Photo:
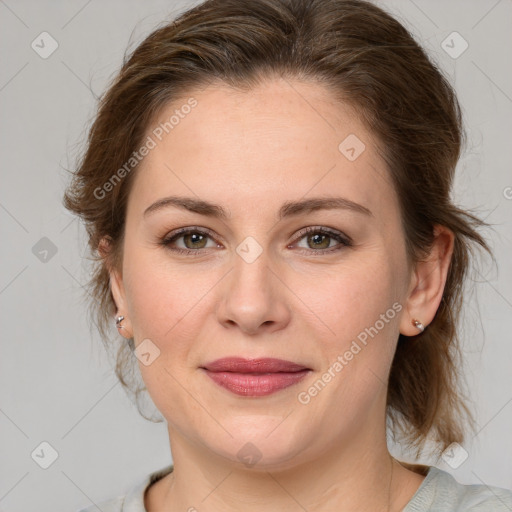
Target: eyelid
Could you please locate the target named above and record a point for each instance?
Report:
(191, 229)
(324, 230)
(344, 240)
(177, 233)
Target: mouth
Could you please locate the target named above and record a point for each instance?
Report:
(254, 377)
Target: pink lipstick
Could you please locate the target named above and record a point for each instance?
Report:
(254, 377)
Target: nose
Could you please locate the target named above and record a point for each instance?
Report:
(254, 298)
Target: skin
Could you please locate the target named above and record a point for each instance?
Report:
(250, 152)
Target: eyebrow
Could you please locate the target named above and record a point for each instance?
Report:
(288, 209)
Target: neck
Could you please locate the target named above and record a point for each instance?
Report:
(360, 476)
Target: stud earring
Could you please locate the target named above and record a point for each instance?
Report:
(119, 319)
(418, 325)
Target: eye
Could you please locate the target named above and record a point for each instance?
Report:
(193, 239)
(319, 240)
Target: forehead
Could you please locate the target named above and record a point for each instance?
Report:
(282, 139)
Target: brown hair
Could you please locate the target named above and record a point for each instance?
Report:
(363, 56)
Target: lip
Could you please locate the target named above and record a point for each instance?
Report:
(254, 377)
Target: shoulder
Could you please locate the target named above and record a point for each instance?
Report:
(133, 500)
(441, 492)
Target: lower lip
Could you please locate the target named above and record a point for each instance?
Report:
(247, 384)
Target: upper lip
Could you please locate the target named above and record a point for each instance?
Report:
(263, 365)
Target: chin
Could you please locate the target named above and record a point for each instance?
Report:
(261, 442)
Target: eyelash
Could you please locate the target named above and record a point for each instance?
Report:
(344, 241)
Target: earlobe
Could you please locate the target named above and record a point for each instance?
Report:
(122, 321)
(429, 280)
(117, 289)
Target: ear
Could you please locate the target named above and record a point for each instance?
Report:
(116, 288)
(427, 282)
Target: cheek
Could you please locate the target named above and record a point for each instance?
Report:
(160, 302)
(362, 310)
(160, 295)
(352, 296)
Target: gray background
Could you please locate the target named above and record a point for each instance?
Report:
(56, 383)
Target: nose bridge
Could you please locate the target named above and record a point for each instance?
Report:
(252, 273)
(251, 295)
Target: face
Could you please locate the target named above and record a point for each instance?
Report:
(306, 265)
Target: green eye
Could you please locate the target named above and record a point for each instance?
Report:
(318, 240)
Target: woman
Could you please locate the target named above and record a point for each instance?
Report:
(267, 186)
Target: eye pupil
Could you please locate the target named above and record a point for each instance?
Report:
(195, 238)
(319, 239)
